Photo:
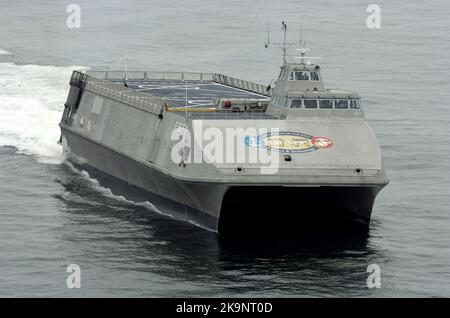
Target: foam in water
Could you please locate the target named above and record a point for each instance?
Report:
(4, 52)
(108, 193)
(31, 105)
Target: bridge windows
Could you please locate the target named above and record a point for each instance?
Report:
(355, 104)
(326, 103)
(304, 76)
(314, 103)
(299, 76)
(310, 103)
(315, 76)
(296, 103)
(321, 103)
(341, 103)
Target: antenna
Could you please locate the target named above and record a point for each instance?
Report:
(186, 97)
(284, 27)
(186, 92)
(338, 71)
(301, 36)
(126, 63)
(283, 45)
(122, 62)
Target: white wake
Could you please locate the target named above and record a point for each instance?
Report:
(31, 103)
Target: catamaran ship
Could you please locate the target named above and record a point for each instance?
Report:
(144, 133)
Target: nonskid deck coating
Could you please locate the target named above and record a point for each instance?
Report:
(197, 93)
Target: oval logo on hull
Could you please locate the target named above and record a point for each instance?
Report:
(289, 142)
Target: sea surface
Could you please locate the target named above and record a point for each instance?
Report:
(53, 215)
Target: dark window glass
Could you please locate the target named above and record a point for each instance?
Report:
(314, 76)
(325, 103)
(310, 103)
(355, 104)
(296, 103)
(341, 104)
(302, 76)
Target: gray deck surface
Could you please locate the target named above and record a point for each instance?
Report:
(199, 94)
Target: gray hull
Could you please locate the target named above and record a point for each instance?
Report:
(141, 182)
(231, 209)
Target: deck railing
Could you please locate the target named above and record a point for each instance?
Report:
(182, 76)
(241, 84)
(119, 93)
(100, 82)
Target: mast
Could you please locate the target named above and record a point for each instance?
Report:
(126, 68)
(284, 46)
(301, 43)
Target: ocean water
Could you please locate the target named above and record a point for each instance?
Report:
(52, 215)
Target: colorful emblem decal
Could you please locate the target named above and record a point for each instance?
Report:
(289, 142)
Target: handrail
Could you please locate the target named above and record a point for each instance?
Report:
(151, 75)
(241, 84)
(121, 94)
(100, 83)
(182, 76)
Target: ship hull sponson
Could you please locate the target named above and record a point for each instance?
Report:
(230, 209)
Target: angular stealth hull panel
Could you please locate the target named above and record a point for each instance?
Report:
(141, 182)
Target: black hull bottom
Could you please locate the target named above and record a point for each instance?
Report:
(296, 211)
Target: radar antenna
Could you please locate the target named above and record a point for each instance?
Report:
(304, 59)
